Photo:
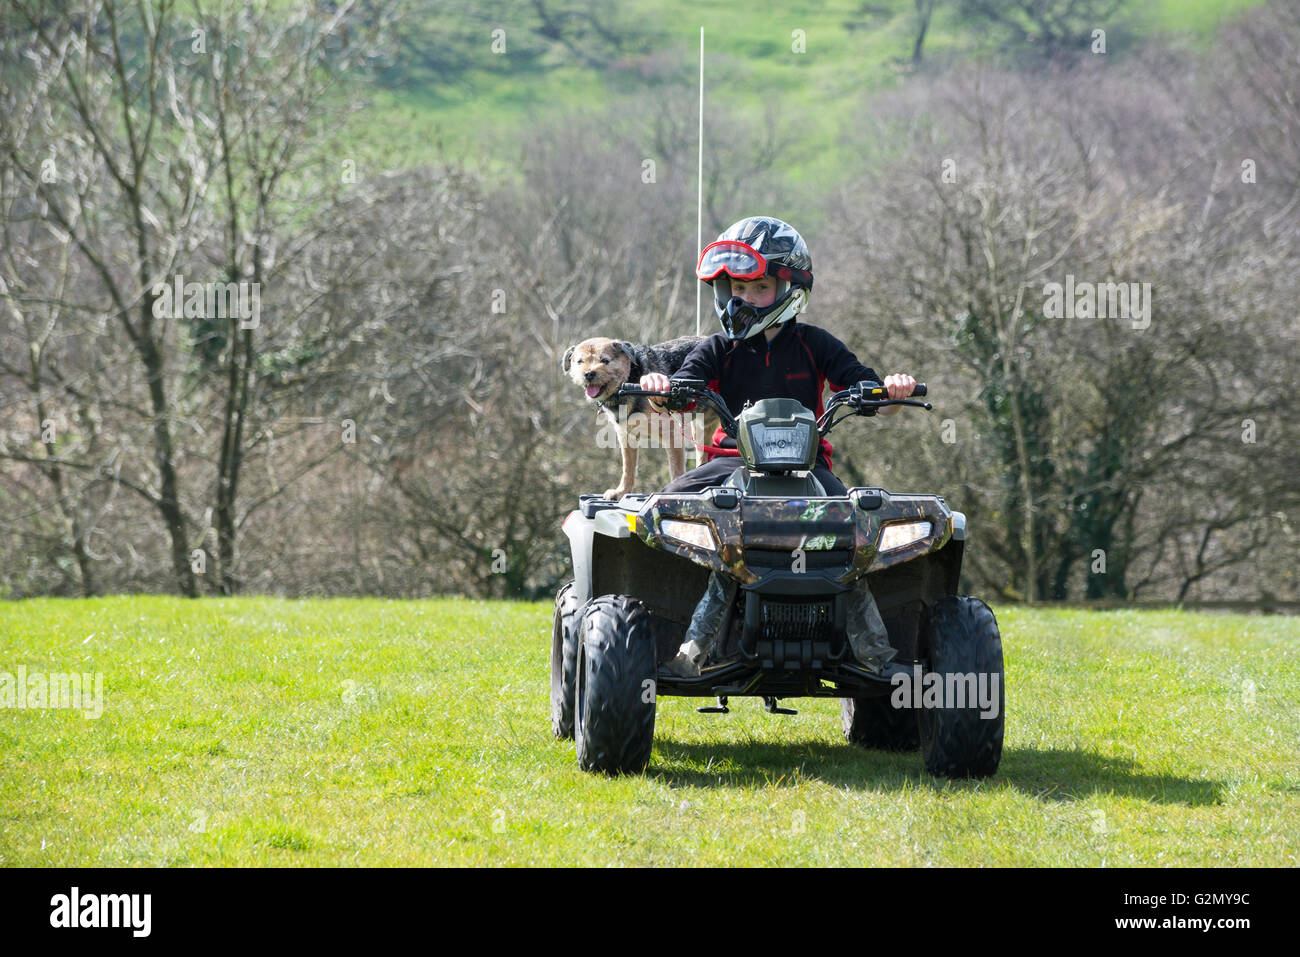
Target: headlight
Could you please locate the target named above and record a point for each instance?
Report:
(692, 533)
(777, 435)
(902, 533)
(785, 445)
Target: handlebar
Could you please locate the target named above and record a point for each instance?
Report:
(864, 398)
(680, 394)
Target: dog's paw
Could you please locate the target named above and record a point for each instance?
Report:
(614, 494)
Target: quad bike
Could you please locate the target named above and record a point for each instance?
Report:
(642, 564)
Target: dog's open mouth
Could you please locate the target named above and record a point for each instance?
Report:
(594, 390)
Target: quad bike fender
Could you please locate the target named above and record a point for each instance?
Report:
(581, 532)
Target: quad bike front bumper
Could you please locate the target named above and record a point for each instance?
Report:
(760, 541)
(796, 562)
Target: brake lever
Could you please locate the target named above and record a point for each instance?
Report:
(874, 404)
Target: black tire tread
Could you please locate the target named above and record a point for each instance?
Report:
(615, 732)
(961, 635)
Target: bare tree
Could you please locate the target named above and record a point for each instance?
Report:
(271, 75)
(108, 74)
(1085, 424)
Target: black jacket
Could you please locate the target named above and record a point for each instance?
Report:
(799, 362)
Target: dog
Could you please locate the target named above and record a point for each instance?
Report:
(600, 366)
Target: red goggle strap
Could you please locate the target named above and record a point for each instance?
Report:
(797, 277)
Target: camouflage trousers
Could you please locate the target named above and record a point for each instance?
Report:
(867, 635)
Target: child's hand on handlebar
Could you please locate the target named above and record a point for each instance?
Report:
(655, 382)
(899, 386)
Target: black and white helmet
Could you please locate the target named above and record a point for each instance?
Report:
(748, 250)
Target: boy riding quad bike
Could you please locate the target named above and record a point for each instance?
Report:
(757, 563)
(788, 556)
(760, 273)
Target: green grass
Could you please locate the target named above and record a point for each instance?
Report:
(1200, 17)
(365, 732)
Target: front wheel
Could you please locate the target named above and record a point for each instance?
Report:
(961, 642)
(614, 704)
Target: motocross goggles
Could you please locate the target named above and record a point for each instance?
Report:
(743, 262)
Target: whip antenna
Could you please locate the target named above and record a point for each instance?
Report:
(699, 203)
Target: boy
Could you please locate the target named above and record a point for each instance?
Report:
(761, 273)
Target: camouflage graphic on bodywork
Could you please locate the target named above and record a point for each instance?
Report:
(771, 525)
(725, 522)
(899, 508)
(814, 512)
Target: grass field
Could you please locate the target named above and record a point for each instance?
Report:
(365, 732)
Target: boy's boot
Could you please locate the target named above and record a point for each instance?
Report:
(867, 635)
(703, 630)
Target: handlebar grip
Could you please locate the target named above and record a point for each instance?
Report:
(875, 391)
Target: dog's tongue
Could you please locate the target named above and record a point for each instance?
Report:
(593, 391)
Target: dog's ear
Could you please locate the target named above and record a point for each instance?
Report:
(568, 355)
(625, 347)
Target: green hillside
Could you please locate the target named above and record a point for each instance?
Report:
(449, 89)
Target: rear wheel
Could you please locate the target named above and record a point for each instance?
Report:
(614, 704)
(960, 638)
(564, 661)
(873, 722)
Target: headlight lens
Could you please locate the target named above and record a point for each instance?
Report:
(692, 533)
(900, 534)
(780, 445)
